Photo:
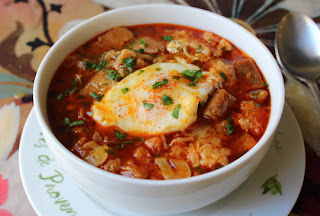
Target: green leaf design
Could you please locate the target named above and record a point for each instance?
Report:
(273, 185)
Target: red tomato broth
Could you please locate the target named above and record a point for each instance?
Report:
(70, 105)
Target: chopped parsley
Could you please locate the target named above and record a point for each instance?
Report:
(110, 151)
(224, 76)
(230, 126)
(198, 49)
(192, 84)
(124, 90)
(156, 155)
(167, 38)
(75, 123)
(159, 84)
(255, 94)
(95, 96)
(158, 69)
(175, 113)
(103, 55)
(194, 76)
(74, 81)
(266, 84)
(166, 100)
(257, 105)
(272, 185)
(147, 105)
(223, 49)
(101, 65)
(89, 65)
(142, 42)
(140, 72)
(113, 75)
(119, 135)
(139, 50)
(176, 77)
(66, 121)
(59, 96)
(230, 129)
(129, 62)
(68, 91)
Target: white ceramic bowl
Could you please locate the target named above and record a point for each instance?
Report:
(159, 196)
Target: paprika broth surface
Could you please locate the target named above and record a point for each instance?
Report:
(158, 101)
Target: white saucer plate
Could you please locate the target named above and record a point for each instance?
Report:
(52, 192)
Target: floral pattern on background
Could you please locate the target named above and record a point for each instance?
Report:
(30, 27)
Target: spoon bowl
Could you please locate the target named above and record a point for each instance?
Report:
(298, 49)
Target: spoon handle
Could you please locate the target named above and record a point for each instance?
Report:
(315, 91)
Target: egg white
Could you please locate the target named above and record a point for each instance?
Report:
(126, 110)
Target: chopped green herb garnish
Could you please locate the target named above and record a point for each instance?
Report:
(257, 105)
(272, 185)
(139, 50)
(230, 129)
(194, 76)
(159, 84)
(59, 96)
(138, 139)
(74, 81)
(201, 171)
(79, 122)
(129, 62)
(110, 151)
(188, 74)
(119, 135)
(230, 120)
(140, 72)
(266, 84)
(198, 49)
(124, 90)
(113, 75)
(103, 55)
(197, 168)
(175, 113)
(147, 105)
(128, 142)
(158, 69)
(255, 94)
(224, 76)
(101, 65)
(131, 44)
(96, 96)
(156, 155)
(68, 91)
(167, 38)
(176, 77)
(142, 42)
(66, 121)
(223, 48)
(89, 65)
(166, 100)
(192, 84)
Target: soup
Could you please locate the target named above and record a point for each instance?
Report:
(158, 101)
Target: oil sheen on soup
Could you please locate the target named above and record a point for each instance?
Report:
(158, 101)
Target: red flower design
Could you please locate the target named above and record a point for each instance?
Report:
(5, 213)
(4, 188)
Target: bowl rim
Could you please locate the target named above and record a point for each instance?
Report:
(229, 168)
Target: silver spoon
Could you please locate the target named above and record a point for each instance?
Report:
(298, 49)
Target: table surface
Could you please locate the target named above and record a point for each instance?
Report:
(30, 27)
